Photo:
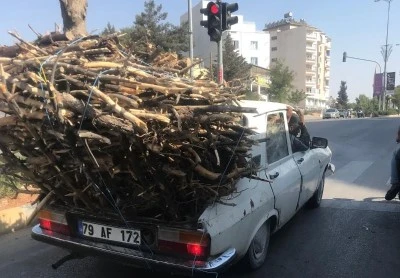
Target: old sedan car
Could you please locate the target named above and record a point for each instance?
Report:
(232, 229)
(331, 113)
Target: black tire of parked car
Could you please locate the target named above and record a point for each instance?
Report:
(258, 249)
(316, 199)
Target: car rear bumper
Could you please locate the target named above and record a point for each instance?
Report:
(132, 256)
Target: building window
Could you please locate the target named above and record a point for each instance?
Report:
(274, 59)
(236, 44)
(254, 61)
(308, 90)
(326, 83)
(274, 48)
(328, 53)
(274, 38)
(253, 45)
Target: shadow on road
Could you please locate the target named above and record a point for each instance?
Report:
(343, 238)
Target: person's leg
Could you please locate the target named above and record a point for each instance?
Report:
(394, 175)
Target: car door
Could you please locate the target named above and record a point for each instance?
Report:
(309, 167)
(281, 168)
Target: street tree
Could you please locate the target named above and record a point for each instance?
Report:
(110, 29)
(396, 98)
(235, 66)
(366, 104)
(150, 31)
(281, 78)
(296, 97)
(73, 13)
(342, 98)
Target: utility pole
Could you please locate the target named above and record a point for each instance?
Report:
(190, 35)
(385, 56)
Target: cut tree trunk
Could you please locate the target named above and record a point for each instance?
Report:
(74, 17)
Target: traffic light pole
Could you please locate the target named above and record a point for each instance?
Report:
(220, 59)
(220, 64)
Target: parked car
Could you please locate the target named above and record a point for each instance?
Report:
(342, 113)
(237, 227)
(331, 113)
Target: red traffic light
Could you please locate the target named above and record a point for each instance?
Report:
(214, 9)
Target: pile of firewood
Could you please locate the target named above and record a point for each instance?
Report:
(98, 127)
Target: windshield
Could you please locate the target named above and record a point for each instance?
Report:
(331, 110)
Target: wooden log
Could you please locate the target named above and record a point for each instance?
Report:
(138, 124)
(93, 136)
(149, 116)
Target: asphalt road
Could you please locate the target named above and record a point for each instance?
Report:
(355, 233)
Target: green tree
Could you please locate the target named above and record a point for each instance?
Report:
(110, 29)
(281, 78)
(235, 66)
(342, 98)
(296, 97)
(150, 31)
(396, 98)
(366, 104)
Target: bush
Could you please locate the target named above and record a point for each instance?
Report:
(375, 114)
(392, 111)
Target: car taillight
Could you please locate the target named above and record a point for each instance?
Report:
(53, 221)
(182, 242)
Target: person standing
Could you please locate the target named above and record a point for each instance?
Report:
(394, 171)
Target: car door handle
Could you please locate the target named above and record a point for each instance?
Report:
(274, 176)
(299, 161)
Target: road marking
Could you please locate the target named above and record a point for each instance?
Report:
(379, 204)
(351, 171)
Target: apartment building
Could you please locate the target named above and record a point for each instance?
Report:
(253, 45)
(306, 51)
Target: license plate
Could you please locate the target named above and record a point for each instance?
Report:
(115, 234)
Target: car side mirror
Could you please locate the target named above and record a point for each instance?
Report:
(319, 142)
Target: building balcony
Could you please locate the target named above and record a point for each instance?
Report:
(310, 83)
(311, 49)
(311, 60)
(311, 37)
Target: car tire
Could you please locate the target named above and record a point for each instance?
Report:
(316, 199)
(258, 249)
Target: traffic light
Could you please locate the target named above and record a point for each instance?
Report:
(213, 23)
(344, 56)
(227, 19)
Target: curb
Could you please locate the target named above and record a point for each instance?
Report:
(15, 218)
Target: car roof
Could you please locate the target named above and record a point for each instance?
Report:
(257, 121)
(263, 106)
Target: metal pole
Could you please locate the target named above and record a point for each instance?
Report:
(220, 64)
(220, 59)
(190, 35)
(386, 56)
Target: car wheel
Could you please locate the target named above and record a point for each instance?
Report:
(316, 199)
(257, 252)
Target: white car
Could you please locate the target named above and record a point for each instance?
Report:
(235, 228)
(331, 113)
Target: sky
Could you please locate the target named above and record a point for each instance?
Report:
(355, 26)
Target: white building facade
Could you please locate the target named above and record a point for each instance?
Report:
(306, 51)
(253, 45)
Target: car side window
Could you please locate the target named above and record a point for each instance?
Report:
(277, 147)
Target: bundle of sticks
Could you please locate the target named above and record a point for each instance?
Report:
(102, 129)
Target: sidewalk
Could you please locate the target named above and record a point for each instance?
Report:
(15, 218)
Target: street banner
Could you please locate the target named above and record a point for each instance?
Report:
(378, 84)
(390, 84)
